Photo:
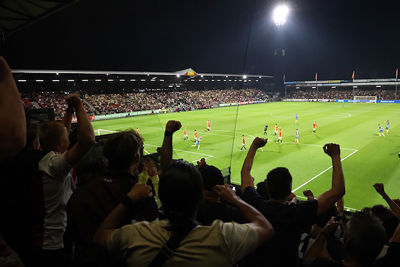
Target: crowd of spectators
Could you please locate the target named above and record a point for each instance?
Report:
(101, 104)
(134, 212)
(323, 93)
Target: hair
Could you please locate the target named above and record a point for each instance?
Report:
(279, 183)
(262, 189)
(212, 176)
(50, 134)
(180, 191)
(365, 238)
(121, 149)
(389, 220)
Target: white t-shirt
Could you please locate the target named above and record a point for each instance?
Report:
(59, 182)
(221, 244)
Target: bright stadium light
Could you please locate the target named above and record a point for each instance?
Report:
(178, 75)
(280, 14)
(244, 76)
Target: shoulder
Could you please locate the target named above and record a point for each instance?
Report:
(55, 164)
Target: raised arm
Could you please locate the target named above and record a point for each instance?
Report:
(246, 178)
(118, 216)
(85, 131)
(393, 206)
(166, 149)
(257, 220)
(67, 119)
(12, 114)
(318, 248)
(337, 191)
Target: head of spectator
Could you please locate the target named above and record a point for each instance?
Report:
(123, 151)
(279, 183)
(389, 220)
(212, 176)
(262, 189)
(364, 238)
(53, 136)
(180, 191)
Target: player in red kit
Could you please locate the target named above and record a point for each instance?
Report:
(280, 136)
(243, 144)
(195, 135)
(185, 135)
(314, 127)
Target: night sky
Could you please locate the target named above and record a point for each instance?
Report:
(331, 37)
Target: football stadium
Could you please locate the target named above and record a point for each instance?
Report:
(133, 140)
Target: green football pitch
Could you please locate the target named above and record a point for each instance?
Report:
(367, 158)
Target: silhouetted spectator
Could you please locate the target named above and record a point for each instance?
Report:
(12, 114)
(213, 207)
(290, 220)
(12, 140)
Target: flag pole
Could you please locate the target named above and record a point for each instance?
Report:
(284, 85)
(352, 76)
(316, 85)
(397, 75)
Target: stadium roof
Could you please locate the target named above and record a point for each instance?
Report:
(187, 79)
(344, 83)
(18, 14)
(186, 72)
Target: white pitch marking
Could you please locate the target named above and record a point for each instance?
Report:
(352, 149)
(203, 154)
(316, 176)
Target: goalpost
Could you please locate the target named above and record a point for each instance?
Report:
(365, 99)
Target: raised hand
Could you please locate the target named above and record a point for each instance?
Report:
(330, 226)
(140, 191)
(309, 194)
(259, 142)
(379, 188)
(202, 162)
(173, 126)
(73, 100)
(332, 149)
(226, 192)
(150, 167)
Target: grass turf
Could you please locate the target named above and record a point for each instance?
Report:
(368, 158)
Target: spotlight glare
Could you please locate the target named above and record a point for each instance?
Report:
(280, 14)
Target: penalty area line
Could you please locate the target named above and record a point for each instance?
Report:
(319, 174)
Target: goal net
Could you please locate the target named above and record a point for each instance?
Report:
(365, 99)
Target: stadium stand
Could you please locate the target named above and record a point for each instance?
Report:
(326, 93)
(101, 104)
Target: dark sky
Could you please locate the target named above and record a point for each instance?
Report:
(331, 37)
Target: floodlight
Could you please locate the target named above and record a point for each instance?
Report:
(280, 14)
(178, 75)
(244, 76)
